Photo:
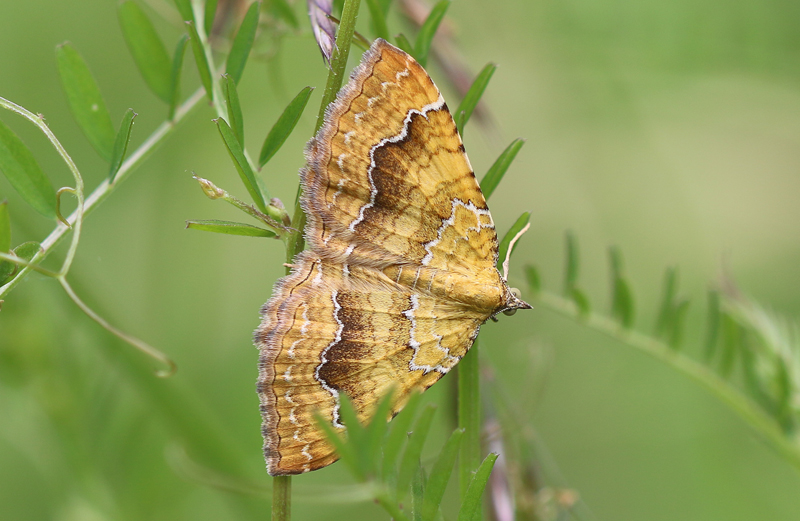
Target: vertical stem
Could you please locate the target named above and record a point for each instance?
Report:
(282, 485)
(281, 498)
(469, 418)
(341, 51)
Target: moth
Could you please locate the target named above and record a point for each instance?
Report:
(400, 272)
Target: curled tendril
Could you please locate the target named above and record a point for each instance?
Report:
(58, 204)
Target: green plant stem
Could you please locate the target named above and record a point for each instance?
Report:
(469, 418)
(296, 243)
(281, 498)
(341, 51)
(764, 426)
(105, 188)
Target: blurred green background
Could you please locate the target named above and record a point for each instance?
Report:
(671, 129)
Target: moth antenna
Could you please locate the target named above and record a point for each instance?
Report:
(511, 248)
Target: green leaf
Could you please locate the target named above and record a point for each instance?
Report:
(241, 163)
(200, 59)
(5, 228)
(242, 43)
(7, 271)
(732, 341)
(147, 49)
(410, 459)
(666, 315)
(175, 76)
(396, 436)
(229, 227)
(343, 449)
(498, 169)
(185, 10)
(426, 33)
(85, 101)
(440, 475)
(356, 434)
(121, 143)
(571, 269)
(518, 225)
(27, 250)
(24, 173)
(622, 298)
(580, 300)
(234, 109)
(473, 96)
(6, 268)
(283, 127)
(377, 428)
(209, 12)
(532, 276)
(378, 19)
(24, 251)
(678, 321)
(418, 486)
(281, 9)
(622, 307)
(403, 43)
(472, 499)
(783, 385)
(712, 334)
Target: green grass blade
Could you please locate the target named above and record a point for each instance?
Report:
(666, 315)
(440, 475)
(502, 250)
(85, 100)
(147, 49)
(234, 108)
(533, 278)
(175, 75)
(498, 169)
(209, 13)
(403, 43)
(282, 128)
(472, 500)
(24, 173)
(396, 437)
(121, 143)
(473, 96)
(410, 459)
(712, 331)
(573, 260)
(242, 166)
(5, 228)
(229, 228)
(378, 16)
(200, 59)
(185, 10)
(422, 45)
(242, 43)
